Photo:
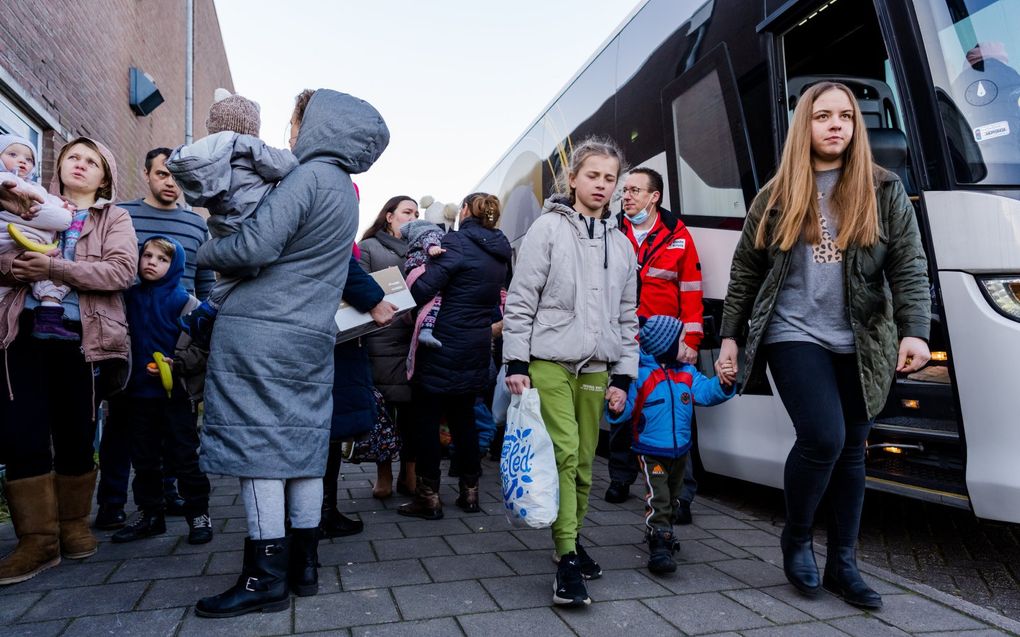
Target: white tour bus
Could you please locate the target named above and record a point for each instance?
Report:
(703, 92)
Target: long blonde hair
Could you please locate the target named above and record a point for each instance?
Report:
(793, 190)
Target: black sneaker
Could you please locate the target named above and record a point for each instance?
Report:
(590, 569)
(144, 524)
(682, 512)
(617, 493)
(201, 531)
(110, 517)
(569, 589)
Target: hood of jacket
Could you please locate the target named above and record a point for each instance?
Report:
(105, 195)
(343, 129)
(492, 242)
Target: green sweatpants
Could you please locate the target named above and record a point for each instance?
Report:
(664, 478)
(571, 408)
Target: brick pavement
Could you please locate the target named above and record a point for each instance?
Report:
(473, 575)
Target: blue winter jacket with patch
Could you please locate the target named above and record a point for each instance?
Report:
(660, 406)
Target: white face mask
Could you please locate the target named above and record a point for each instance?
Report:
(640, 217)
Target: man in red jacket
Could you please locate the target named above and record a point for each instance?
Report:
(669, 283)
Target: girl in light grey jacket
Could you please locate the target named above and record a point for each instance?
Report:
(570, 331)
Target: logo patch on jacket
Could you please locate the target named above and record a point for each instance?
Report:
(657, 470)
(685, 398)
(678, 244)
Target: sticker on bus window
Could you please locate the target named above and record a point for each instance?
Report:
(991, 131)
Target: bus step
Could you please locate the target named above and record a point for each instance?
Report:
(923, 428)
(924, 474)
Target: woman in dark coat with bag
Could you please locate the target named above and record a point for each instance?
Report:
(469, 275)
(353, 396)
(383, 247)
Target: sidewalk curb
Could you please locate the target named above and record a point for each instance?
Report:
(979, 613)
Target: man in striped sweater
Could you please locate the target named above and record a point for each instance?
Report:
(158, 213)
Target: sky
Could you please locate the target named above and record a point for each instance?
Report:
(457, 81)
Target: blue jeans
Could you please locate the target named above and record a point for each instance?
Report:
(822, 393)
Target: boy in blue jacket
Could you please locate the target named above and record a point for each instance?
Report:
(659, 409)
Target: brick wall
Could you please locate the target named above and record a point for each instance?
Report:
(72, 58)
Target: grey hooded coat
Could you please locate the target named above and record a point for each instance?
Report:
(270, 372)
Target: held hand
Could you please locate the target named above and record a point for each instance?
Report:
(687, 354)
(152, 370)
(517, 383)
(617, 400)
(31, 266)
(497, 329)
(435, 251)
(726, 365)
(383, 312)
(16, 199)
(913, 355)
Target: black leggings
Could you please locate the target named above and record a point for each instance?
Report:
(460, 417)
(55, 402)
(822, 393)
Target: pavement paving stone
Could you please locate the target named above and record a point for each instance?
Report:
(329, 580)
(485, 542)
(529, 591)
(985, 632)
(752, 537)
(235, 525)
(184, 591)
(71, 602)
(719, 522)
(698, 578)
(619, 556)
(813, 629)
(441, 627)
(149, 547)
(535, 538)
(533, 621)
(252, 625)
(916, 614)
(226, 563)
(444, 599)
(617, 534)
(864, 626)
(462, 567)
(37, 629)
(69, 573)
(609, 518)
(167, 566)
(14, 606)
(706, 613)
(346, 553)
(625, 584)
(411, 547)
(688, 532)
(220, 542)
(694, 551)
(824, 606)
(728, 548)
(609, 619)
(373, 531)
(487, 520)
(752, 572)
(767, 606)
(343, 610)
(150, 623)
(370, 575)
(432, 528)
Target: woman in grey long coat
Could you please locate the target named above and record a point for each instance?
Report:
(269, 383)
(383, 247)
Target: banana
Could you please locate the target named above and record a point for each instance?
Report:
(164, 373)
(28, 244)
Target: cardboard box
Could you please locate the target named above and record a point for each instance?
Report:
(351, 323)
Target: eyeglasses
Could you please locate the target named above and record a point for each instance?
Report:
(632, 190)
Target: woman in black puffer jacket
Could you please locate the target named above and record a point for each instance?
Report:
(447, 380)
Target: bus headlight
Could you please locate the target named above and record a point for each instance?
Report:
(1004, 294)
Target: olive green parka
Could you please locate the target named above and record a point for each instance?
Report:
(886, 286)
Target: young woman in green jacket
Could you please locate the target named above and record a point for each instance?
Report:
(829, 280)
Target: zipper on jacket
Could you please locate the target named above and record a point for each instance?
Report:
(672, 407)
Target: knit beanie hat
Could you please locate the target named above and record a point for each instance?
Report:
(415, 231)
(660, 337)
(231, 112)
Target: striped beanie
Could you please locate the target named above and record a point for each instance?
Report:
(660, 337)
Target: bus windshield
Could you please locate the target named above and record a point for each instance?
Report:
(973, 49)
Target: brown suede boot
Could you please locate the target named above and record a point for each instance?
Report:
(468, 500)
(426, 503)
(74, 500)
(33, 504)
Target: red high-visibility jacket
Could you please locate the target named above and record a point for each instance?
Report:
(669, 273)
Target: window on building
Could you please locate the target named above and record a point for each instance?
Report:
(14, 121)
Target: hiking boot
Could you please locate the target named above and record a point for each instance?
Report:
(142, 525)
(74, 502)
(426, 503)
(682, 513)
(662, 544)
(49, 325)
(261, 586)
(33, 505)
(843, 579)
(198, 324)
(110, 517)
(468, 500)
(568, 588)
(799, 560)
(200, 529)
(303, 573)
(617, 493)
